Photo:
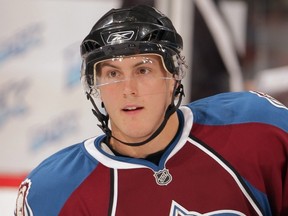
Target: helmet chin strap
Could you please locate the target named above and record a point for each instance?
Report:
(178, 90)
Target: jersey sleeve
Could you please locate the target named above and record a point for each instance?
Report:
(250, 130)
(48, 186)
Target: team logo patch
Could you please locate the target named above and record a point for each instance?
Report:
(178, 210)
(22, 206)
(272, 100)
(163, 177)
(118, 37)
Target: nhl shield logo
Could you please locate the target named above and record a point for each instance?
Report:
(163, 177)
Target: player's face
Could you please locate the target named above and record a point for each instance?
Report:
(136, 91)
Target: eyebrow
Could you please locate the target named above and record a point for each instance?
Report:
(107, 64)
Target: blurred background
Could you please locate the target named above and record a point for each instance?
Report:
(230, 45)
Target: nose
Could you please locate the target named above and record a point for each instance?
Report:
(130, 87)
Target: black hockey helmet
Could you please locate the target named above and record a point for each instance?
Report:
(136, 30)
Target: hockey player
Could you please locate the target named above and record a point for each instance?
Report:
(222, 155)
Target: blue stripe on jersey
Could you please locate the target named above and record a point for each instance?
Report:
(57, 177)
(236, 108)
(261, 198)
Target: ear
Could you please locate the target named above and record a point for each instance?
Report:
(172, 86)
(99, 94)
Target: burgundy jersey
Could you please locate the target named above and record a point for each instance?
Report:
(228, 158)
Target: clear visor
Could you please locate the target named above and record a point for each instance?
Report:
(143, 68)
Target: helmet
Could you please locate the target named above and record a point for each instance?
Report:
(136, 30)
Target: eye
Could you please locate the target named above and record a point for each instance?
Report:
(113, 74)
(143, 71)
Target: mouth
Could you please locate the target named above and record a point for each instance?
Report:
(132, 108)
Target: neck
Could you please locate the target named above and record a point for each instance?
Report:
(159, 143)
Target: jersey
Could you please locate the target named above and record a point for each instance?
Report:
(228, 158)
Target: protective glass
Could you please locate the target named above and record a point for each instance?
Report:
(144, 68)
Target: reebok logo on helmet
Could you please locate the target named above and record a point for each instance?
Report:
(118, 37)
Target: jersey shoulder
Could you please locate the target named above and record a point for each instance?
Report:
(50, 184)
(240, 107)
